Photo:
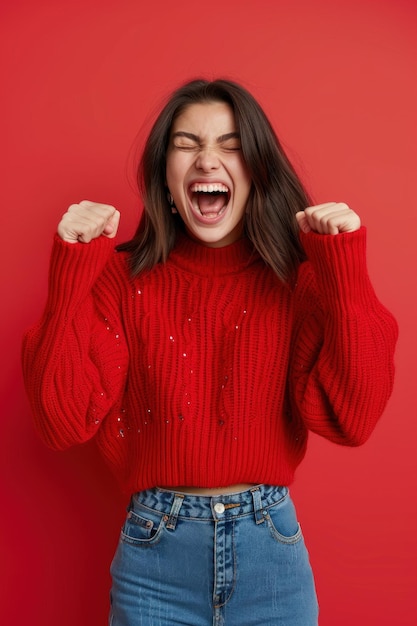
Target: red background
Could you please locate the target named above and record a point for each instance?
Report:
(80, 80)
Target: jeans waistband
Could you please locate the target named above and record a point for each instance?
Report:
(255, 500)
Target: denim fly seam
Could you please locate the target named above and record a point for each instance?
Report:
(224, 510)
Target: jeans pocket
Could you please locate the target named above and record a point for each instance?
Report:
(282, 522)
(142, 528)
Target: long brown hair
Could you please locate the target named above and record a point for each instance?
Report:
(276, 193)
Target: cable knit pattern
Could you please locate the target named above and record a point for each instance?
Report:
(207, 370)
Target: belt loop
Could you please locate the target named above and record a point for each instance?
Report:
(257, 505)
(175, 509)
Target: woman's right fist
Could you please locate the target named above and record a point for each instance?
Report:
(88, 220)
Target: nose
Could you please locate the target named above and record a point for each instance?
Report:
(207, 160)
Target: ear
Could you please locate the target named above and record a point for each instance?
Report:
(171, 202)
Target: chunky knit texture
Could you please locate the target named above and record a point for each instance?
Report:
(208, 371)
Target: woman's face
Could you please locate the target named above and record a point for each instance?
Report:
(206, 174)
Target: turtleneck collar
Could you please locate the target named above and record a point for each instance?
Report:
(197, 258)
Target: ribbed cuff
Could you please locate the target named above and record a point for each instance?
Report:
(339, 263)
(74, 268)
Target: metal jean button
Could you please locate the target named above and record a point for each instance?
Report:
(219, 507)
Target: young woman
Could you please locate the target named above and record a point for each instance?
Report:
(199, 355)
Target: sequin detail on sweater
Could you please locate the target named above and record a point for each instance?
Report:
(207, 370)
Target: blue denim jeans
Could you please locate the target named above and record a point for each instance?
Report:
(229, 560)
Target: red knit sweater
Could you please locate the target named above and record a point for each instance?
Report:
(208, 371)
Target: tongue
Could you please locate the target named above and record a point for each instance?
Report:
(211, 203)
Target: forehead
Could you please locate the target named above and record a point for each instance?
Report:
(206, 119)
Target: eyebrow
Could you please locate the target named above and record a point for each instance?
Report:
(197, 139)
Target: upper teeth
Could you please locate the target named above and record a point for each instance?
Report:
(197, 187)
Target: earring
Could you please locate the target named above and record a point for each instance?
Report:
(172, 203)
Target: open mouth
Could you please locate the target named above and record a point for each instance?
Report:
(209, 199)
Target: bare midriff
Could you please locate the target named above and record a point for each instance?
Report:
(214, 491)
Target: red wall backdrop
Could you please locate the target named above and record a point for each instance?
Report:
(79, 81)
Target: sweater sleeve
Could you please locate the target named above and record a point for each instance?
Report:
(75, 358)
(342, 370)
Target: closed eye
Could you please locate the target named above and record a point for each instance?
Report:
(230, 142)
(231, 147)
(186, 146)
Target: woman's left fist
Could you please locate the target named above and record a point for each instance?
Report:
(330, 218)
